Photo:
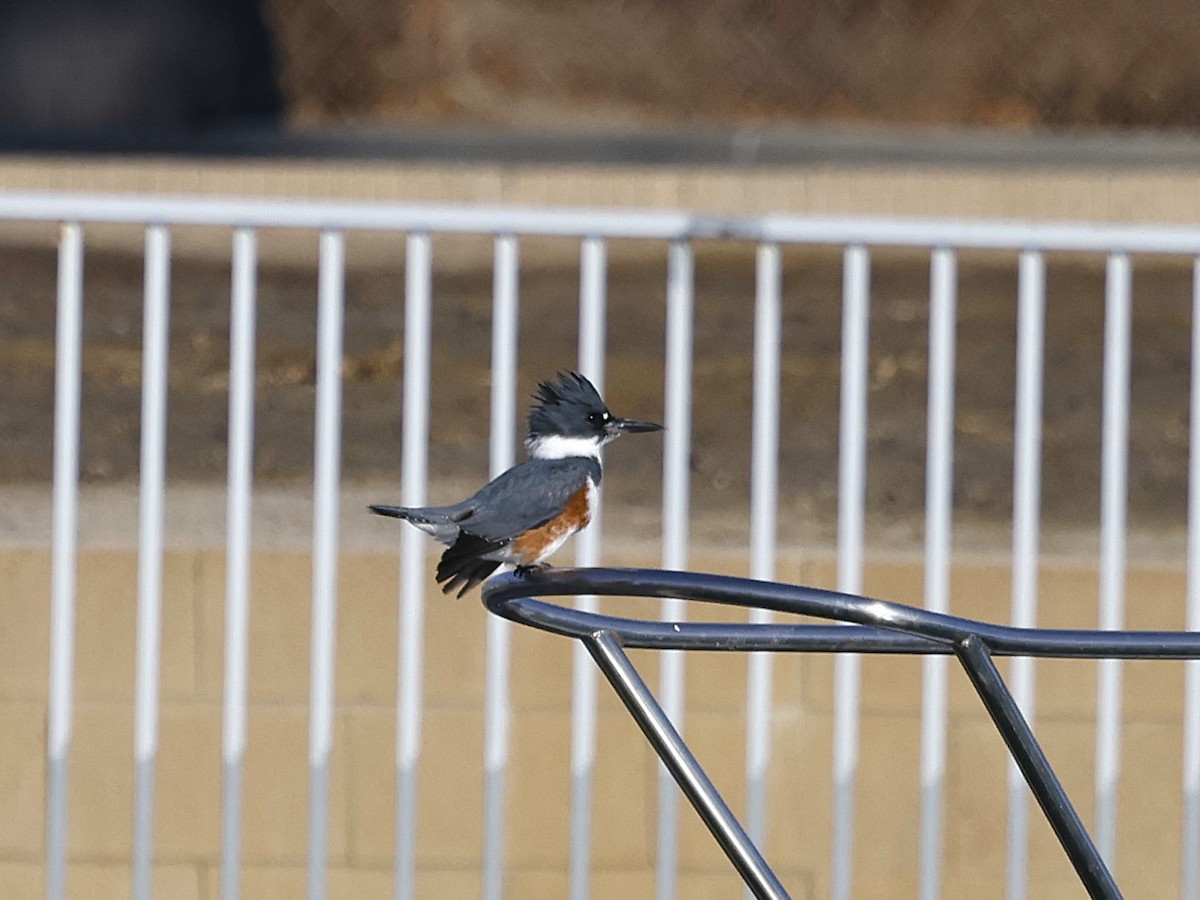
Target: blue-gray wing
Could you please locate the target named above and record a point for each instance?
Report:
(524, 497)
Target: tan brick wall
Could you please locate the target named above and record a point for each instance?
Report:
(187, 820)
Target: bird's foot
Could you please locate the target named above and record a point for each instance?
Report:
(532, 569)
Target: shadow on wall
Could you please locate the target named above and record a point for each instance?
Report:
(73, 66)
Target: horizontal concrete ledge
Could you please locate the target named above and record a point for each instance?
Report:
(794, 145)
(282, 519)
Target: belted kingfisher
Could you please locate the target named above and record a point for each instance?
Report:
(526, 513)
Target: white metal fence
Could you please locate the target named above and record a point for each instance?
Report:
(594, 229)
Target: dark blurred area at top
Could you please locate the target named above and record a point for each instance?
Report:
(174, 74)
(75, 66)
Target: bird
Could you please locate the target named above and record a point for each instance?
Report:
(527, 512)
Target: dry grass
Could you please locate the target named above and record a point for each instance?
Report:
(508, 62)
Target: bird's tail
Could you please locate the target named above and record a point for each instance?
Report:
(398, 512)
(433, 520)
(464, 564)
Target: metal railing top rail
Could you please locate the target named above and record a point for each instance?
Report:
(671, 225)
(891, 627)
(886, 627)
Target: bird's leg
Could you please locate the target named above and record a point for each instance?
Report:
(531, 569)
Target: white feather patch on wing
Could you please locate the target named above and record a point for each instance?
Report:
(445, 532)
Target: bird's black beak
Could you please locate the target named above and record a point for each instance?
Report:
(633, 426)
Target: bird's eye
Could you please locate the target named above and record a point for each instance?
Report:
(596, 418)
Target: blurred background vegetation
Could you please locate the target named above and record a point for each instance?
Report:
(73, 64)
(1021, 63)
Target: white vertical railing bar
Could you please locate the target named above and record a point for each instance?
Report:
(331, 277)
(150, 548)
(414, 458)
(1027, 470)
(852, 498)
(1189, 881)
(764, 479)
(237, 551)
(938, 510)
(1113, 479)
(496, 690)
(593, 263)
(68, 367)
(676, 454)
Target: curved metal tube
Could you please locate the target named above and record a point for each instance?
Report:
(890, 627)
(885, 627)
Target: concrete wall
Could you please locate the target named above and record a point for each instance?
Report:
(1152, 193)
(361, 835)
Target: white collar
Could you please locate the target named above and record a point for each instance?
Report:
(557, 446)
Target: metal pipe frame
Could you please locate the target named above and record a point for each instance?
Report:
(679, 761)
(884, 627)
